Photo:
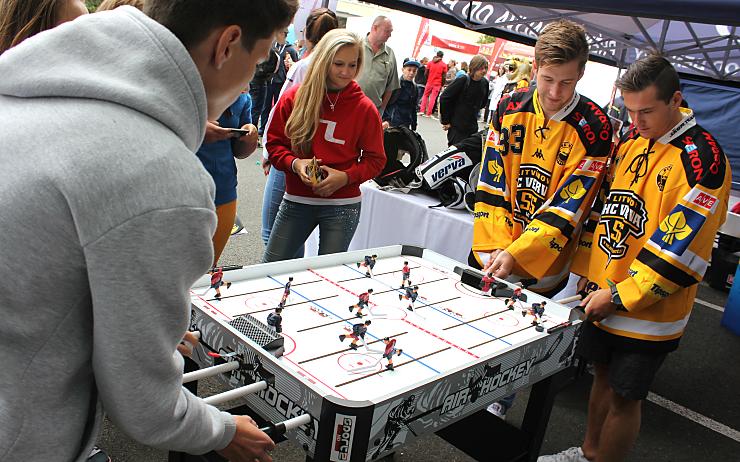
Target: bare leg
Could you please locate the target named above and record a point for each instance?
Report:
(620, 429)
(598, 406)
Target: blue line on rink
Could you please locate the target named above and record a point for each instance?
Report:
(435, 308)
(351, 323)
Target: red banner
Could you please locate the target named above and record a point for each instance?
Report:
(468, 48)
(421, 37)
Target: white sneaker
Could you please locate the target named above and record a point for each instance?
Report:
(574, 454)
(497, 409)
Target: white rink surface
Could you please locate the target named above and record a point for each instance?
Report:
(452, 325)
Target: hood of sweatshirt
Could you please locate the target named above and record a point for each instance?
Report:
(88, 59)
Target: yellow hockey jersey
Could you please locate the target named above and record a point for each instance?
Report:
(663, 203)
(537, 182)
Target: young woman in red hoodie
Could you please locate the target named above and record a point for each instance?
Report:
(330, 119)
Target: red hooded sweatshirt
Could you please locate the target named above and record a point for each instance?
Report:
(348, 138)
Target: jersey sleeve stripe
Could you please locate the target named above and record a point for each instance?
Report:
(665, 269)
(494, 200)
(556, 221)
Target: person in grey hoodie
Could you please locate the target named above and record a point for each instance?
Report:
(99, 121)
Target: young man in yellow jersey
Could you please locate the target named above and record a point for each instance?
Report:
(543, 162)
(544, 159)
(665, 197)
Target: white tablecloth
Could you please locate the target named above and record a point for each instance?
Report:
(390, 218)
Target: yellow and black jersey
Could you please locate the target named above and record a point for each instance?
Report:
(663, 203)
(537, 182)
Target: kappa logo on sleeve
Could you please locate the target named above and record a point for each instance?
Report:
(678, 229)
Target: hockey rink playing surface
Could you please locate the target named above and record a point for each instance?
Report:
(452, 325)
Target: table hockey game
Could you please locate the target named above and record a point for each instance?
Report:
(460, 349)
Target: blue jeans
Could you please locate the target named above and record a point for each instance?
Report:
(258, 92)
(272, 91)
(295, 222)
(271, 199)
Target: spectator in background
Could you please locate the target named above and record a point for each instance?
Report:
(421, 80)
(286, 56)
(463, 69)
(379, 77)
(319, 22)
(21, 19)
(496, 87)
(461, 101)
(259, 84)
(401, 111)
(218, 152)
(436, 70)
(451, 72)
(328, 121)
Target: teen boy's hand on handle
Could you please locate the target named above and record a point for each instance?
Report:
(250, 444)
(502, 265)
(333, 180)
(598, 305)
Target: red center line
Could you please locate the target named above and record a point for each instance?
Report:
(404, 320)
(212, 307)
(314, 377)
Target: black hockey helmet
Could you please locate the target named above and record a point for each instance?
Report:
(405, 150)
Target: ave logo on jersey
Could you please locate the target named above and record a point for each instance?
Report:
(532, 185)
(624, 215)
(678, 229)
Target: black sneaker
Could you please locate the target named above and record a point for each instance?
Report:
(342, 337)
(358, 264)
(351, 307)
(353, 346)
(400, 297)
(409, 308)
(389, 367)
(228, 284)
(367, 275)
(539, 328)
(358, 315)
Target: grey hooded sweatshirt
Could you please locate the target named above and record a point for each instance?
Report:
(106, 218)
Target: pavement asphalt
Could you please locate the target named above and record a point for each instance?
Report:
(693, 416)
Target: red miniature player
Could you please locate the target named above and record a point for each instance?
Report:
(362, 302)
(286, 291)
(358, 332)
(217, 280)
(390, 350)
(369, 263)
(486, 282)
(405, 274)
(515, 297)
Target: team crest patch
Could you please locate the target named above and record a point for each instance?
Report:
(623, 215)
(532, 184)
(662, 176)
(678, 229)
(574, 191)
(493, 173)
(564, 152)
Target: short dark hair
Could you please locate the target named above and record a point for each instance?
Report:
(652, 69)
(192, 20)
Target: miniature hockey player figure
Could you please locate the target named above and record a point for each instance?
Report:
(405, 274)
(358, 332)
(362, 302)
(538, 309)
(369, 264)
(515, 297)
(412, 293)
(390, 350)
(286, 291)
(275, 319)
(217, 280)
(486, 282)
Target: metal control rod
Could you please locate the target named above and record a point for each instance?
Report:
(236, 393)
(210, 371)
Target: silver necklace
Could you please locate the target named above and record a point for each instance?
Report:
(332, 104)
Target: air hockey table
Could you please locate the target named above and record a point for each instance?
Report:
(460, 349)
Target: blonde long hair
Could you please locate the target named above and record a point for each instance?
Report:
(304, 120)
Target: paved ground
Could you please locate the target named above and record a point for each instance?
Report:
(701, 379)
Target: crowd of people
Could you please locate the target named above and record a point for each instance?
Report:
(221, 79)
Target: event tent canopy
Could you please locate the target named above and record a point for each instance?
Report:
(700, 37)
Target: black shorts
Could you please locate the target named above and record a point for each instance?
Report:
(631, 372)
